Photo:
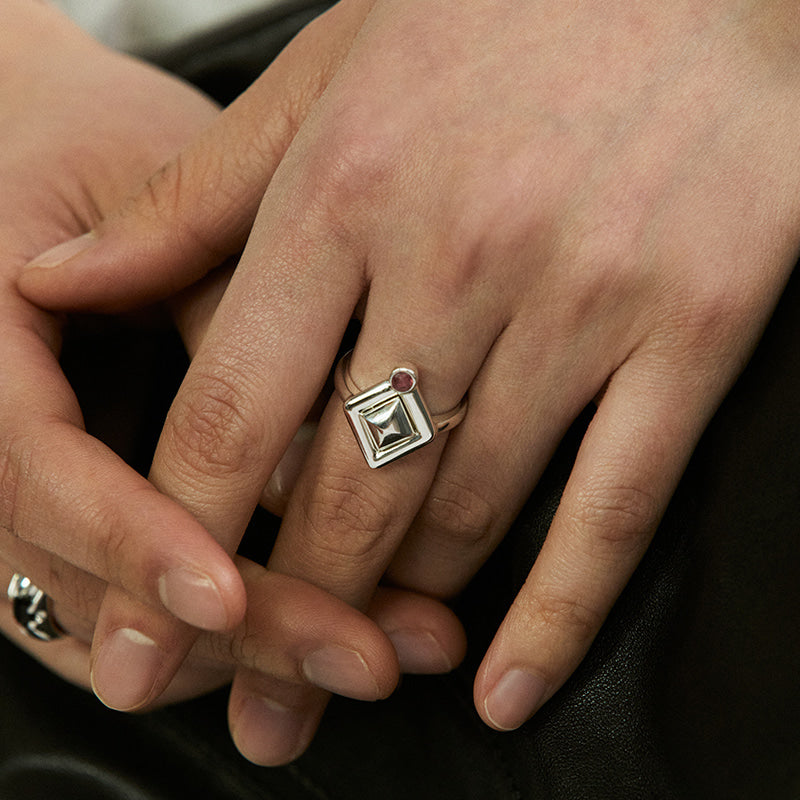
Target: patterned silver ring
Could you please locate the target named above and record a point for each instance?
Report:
(33, 609)
(390, 419)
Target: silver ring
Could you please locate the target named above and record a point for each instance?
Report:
(33, 609)
(390, 419)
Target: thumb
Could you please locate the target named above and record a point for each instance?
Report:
(197, 210)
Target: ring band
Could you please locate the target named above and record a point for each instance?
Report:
(33, 609)
(390, 419)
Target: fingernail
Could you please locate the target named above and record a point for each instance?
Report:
(194, 598)
(514, 699)
(126, 669)
(287, 472)
(56, 256)
(267, 732)
(419, 652)
(341, 671)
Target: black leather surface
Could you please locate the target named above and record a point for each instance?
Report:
(225, 62)
(690, 691)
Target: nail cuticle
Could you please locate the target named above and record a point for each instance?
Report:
(419, 651)
(126, 669)
(341, 671)
(515, 697)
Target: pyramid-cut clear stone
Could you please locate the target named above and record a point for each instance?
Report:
(389, 423)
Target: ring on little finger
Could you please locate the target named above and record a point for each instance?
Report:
(391, 419)
(33, 609)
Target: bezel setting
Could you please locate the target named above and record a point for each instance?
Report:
(390, 419)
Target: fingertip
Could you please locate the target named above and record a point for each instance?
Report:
(268, 733)
(65, 251)
(347, 673)
(284, 478)
(125, 669)
(272, 722)
(50, 281)
(427, 636)
(420, 652)
(199, 600)
(512, 699)
(122, 265)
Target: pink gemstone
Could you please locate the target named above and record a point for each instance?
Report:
(403, 381)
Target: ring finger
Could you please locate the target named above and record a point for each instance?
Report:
(345, 519)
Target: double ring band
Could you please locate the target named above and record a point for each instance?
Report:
(33, 609)
(390, 419)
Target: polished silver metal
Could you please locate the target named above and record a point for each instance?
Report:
(33, 609)
(391, 419)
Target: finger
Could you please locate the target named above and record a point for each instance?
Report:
(345, 520)
(258, 372)
(66, 493)
(273, 722)
(198, 210)
(426, 635)
(300, 634)
(76, 593)
(193, 310)
(340, 531)
(289, 620)
(67, 656)
(494, 458)
(294, 631)
(291, 630)
(628, 466)
(110, 522)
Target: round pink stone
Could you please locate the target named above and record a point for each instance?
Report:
(403, 381)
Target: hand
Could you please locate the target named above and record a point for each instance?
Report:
(81, 128)
(289, 624)
(535, 214)
(86, 127)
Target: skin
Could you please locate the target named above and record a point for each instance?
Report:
(81, 128)
(526, 211)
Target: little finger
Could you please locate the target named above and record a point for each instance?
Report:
(627, 468)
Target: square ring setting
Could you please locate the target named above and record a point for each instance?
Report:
(390, 419)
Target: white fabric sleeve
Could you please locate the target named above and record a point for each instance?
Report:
(148, 25)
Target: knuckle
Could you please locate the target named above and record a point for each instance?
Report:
(168, 196)
(107, 547)
(554, 611)
(457, 276)
(459, 514)
(616, 517)
(347, 517)
(250, 648)
(240, 647)
(210, 430)
(356, 165)
(605, 277)
(483, 235)
(710, 316)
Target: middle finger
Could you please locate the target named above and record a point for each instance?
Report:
(345, 520)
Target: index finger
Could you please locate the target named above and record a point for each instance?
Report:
(67, 493)
(263, 362)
